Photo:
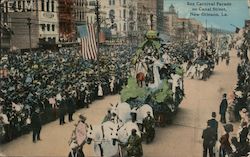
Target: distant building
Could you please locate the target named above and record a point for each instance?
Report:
(181, 28)
(170, 21)
(118, 15)
(146, 8)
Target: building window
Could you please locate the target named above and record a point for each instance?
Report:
(19, 5)
(92, 3)
(42, 5)
(47, 5)
(43, 27)
(112, 14)
(48, 27)
(53, 28)
(113, 2)
(124, 2)
(124, 27)
(110, 2)
(124, 13)
(52, 6)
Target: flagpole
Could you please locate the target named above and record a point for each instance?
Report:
(98, 38)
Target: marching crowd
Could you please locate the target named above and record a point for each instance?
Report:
(55, 84)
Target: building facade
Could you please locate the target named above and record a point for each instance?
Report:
(120, 16)
(160, 15)
(66, 19)
(37, 19)
(48, 22)
(80, 7)
(146, 9)
(170, 21)
(5, 31)
(19, 11)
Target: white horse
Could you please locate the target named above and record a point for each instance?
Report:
(122, 112)
(103, 139)
(142, 112)
(124, 131)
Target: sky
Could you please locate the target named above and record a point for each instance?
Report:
(237, 12)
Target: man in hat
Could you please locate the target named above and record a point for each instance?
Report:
(62, 110)
(148, 124)
(36, 125)
(223, 108)
(134, 146)
(209, 140)
(214, 123)
(71, 105)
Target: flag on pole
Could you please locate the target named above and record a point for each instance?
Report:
(88, 41)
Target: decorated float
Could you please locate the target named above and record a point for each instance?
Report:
(154, 81)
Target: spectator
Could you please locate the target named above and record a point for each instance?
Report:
(223, 108)
(209, 140)
(36, 125)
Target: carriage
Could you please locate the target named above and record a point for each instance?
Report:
(159, 85)
(204, 68)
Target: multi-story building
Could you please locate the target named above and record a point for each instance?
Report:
(66, 15)
(118, 15)
(121, 16)
(5, 31)
(180, 28)
(48, 22)
(80, 7)
(170, 21)
(160, 15)
(35, 19)
(146, 9)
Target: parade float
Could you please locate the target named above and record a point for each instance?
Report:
(154, 81)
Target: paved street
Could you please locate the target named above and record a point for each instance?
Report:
(181, 139)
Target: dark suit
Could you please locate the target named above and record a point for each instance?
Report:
(62, 111)
(243, 136)
(214, 125)
(209, 140)
(36, 125)
(71, 107)
(223, 110)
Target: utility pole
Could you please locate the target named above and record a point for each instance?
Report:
(1, 29)
(151, 21)
(97, 12)
(29, 25)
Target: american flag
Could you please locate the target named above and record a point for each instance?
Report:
(88, 41)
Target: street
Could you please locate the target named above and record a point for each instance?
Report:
(182, 138)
